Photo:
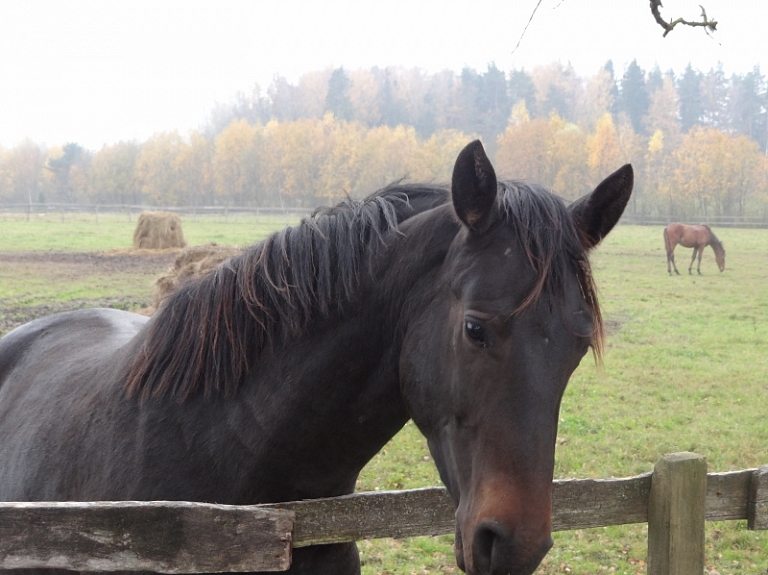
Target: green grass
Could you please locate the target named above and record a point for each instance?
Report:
(685, 369)
(58, 285)
(87, 232)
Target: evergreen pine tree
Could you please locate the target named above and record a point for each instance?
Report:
(633, 97)
(748, 105)
(521, 88)
(689, 91)
(608, 67)
(337, 101)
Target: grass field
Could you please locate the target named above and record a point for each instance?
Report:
(685, 369)
(87, 232)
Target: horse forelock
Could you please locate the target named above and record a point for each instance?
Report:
(553, 246)
(208, 334)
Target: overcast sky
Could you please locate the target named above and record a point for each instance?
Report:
(97, 72)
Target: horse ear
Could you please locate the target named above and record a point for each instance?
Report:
(473, 188)
(596, 213)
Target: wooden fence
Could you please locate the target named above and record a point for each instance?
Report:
(132, 211)
(181, 537)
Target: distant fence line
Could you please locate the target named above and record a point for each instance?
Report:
(131, 210)
(715, 221)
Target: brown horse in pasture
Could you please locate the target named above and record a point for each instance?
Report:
(690, 236)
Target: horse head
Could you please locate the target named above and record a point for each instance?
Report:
(486, 362)
(719, 256)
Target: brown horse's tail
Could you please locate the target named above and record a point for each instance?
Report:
(666, 241)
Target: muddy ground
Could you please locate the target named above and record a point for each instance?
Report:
(67, 264)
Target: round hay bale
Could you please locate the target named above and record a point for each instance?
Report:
(191, 262)
(158, 231)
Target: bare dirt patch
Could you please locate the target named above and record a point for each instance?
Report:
(60, 268)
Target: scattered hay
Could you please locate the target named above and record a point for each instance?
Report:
(158, 231)
(191, 262)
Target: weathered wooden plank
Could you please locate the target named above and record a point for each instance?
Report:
(676, 515)
(176, 537)
(584, 503)
(757, 513)
(370, 515)
(728, 495)
(166, 537)
(429, 511)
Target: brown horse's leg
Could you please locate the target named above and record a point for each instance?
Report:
(695, 251)
(670, 249)
(701, 253)
(672, 257)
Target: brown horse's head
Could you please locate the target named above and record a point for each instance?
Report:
(486, 362)
(719, 255)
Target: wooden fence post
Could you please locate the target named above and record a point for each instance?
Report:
(676, 515)
(757, 512)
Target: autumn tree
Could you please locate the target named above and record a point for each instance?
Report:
(663, 113)
(717, 173)
(61, 165)
(112, 175)
(435, 156)
(295, 153)
(234, 166)
(558, 88)
(22, 173)
(311, 95)
(714, 93)
(385, 155)
(550, 152)
(157, 170)
(521, 88)
(525, 149)
(603, 148)
(363, 89)
(194, 163)
(598, 99)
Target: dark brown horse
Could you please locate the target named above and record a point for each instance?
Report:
(690, 236)
(279, 375)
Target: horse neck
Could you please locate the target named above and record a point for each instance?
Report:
(337, 387)
(405, 276)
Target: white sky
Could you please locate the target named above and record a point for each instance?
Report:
(100, 71)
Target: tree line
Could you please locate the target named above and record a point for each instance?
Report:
(697, 141)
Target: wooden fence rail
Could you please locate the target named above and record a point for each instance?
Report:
(133, 210)
(182, 537)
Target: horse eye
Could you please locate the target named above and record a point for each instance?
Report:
(475, 332)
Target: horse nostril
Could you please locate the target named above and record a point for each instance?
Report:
(486, 537)
(496, 550)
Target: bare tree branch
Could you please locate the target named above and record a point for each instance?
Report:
(526, 26)
(709, 25)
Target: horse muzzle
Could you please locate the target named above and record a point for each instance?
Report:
(502, 539)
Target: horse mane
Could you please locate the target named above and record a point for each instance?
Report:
(210, 332)
(714, 241)
(553, 247)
